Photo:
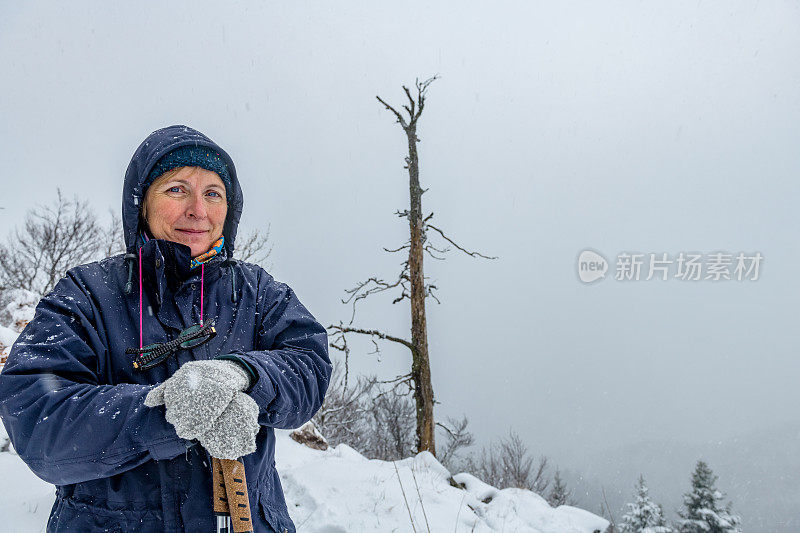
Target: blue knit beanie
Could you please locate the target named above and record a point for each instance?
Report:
(191, 156)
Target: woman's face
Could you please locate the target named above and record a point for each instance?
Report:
(187, 206)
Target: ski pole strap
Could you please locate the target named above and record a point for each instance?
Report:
(230, 495)
(220, 497)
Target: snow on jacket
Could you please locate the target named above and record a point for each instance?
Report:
(73, 403)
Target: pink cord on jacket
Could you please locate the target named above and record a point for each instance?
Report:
(140, 299)
(202, 282)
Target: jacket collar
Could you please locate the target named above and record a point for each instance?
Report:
(166, 266)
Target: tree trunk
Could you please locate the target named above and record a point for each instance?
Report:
(420, 367)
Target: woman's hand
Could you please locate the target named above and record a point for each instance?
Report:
(204, 401)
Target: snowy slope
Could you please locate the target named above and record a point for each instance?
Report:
(339, 490)
(25, 500)
(336, 490)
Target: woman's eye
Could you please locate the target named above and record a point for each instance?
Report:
(215, 193)
(174, 189)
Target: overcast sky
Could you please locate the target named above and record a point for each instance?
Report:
(555, 127)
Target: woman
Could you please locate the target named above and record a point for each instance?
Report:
(96, 399)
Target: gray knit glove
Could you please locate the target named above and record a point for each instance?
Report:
(204, 401)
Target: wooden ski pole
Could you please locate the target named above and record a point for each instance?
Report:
(231, 503)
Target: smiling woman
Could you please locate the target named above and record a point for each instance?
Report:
(186, 205)
(150, 386)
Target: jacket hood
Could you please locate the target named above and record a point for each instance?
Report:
(153, 148)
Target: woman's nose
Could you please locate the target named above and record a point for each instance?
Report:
(196, 207)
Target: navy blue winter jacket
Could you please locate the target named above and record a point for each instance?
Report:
(73, 404)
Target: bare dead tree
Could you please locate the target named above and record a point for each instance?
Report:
(518, 465)
(457, 438)
(391, 415)
(377, 423)
(508, 463)
(411, 281)
(341, 417)
(254, 247)
(113, 241)
(53, 239)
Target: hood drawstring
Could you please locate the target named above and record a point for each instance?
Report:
(234, 295)
(141, 335)
(129, 259)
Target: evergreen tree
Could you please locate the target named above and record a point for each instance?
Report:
(559, 495)
(644, 515)
(703, 511)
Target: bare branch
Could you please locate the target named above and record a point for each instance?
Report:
(473, 254)
(390, 108)
(378, 423)
(400, 378)
(402, 297)
(342, 346)
(610, 514)
(53, 239)
(412, 103)
(430, 248)
(458, 437)
(508, 463)
(372, 332)
(414, 107)
(429, 292)
(372, 286)
(422, 88)
(377, 349)
(254, 247)
(435, 249)
(392, 391)
(380, 285)
(404, 247)
(432, 256)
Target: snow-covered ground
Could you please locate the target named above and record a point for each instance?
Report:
(25, 500)
(339, 490)
(336, 490)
